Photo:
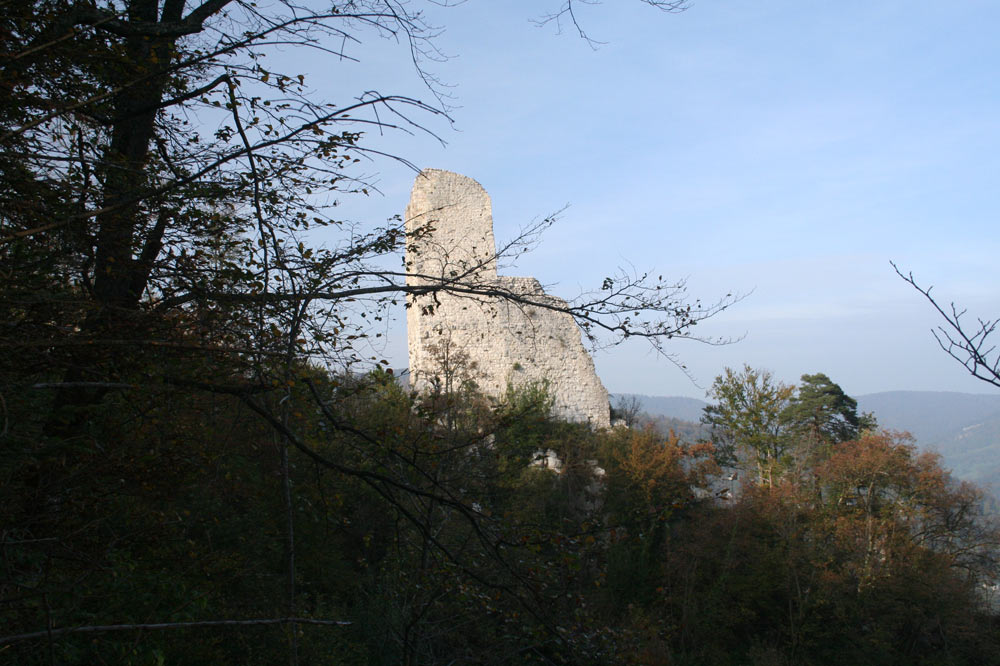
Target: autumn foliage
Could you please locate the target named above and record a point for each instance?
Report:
(434, 538)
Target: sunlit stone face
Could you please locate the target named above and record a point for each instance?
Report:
(493, 341)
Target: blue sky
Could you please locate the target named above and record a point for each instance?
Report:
(787, 148)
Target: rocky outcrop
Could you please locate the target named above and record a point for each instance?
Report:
(492, 340)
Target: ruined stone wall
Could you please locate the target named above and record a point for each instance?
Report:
(493, 340)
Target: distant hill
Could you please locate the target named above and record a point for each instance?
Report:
(963, 427)
(929, 415)
(685, 409)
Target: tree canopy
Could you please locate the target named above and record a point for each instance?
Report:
(772, 423)
(747, 418)
(821, 410)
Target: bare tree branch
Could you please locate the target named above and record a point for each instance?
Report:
(566, 15)
(102, 628)
(970, 346)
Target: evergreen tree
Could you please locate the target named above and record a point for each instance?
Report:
(822, 412)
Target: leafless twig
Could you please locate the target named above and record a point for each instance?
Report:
(969, 346)
(102, 628)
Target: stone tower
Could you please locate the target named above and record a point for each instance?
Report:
(496, 341)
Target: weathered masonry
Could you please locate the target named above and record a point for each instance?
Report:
(494, 341)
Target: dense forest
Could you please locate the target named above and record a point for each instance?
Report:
(416, 529)
(202, 461)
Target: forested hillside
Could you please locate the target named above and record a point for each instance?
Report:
(963, 427)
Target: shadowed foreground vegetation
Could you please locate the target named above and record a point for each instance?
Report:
(405, 529)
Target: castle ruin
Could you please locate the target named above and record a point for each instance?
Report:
(498, 341)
